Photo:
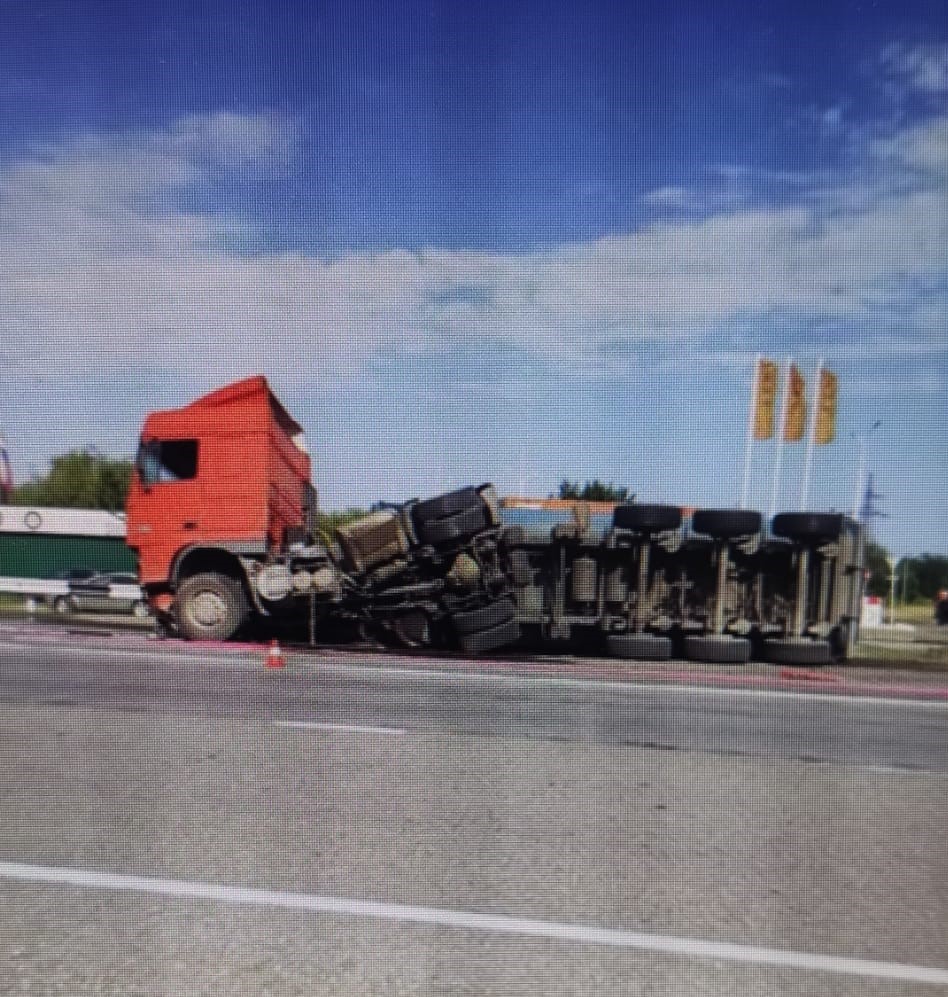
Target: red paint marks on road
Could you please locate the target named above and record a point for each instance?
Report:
(217, 646)
(807, 675)
(785, 680)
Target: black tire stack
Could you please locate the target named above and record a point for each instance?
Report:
(486, 627)
(450, 520)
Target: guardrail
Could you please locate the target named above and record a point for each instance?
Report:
(33, 587)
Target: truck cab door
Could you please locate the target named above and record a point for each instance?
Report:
(164, 504)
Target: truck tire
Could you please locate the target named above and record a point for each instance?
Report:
(210, 606)
(646, 518)
(808, 526)
(798, 651)
(726, 524)
(457, 527)
(488, 640)
(640, 647)
(718, 649)
(449, 504)
(484, 618)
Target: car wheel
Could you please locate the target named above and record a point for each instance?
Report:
(63, 605)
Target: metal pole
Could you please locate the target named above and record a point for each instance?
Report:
(811, 441)
(863, 471)
(755, 393)
(860, 476)
(781, 426)
(891, 590)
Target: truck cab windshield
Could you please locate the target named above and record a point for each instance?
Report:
(162, 461)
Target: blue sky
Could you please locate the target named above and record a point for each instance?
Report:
(493, 241)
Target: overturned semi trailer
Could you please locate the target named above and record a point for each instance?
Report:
(222, 517)
(717, 586)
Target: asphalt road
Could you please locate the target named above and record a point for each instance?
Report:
(351, 825)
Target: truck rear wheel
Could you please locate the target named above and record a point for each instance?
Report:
(210, 606)
(484, 618)
(816, 527)
(718, 649)
(798, 651)
(647, 518)
(726, 524)
(640, 647)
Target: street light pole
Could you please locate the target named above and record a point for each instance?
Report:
(862, 470)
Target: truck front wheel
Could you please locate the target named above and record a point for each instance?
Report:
(210, 607)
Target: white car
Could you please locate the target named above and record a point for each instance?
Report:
(97, 594)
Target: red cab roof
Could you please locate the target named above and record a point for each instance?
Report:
(243, 406)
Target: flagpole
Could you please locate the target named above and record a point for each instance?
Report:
(755, 395)
(811, 442)
(781, 429)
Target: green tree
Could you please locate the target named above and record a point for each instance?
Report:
(79, 480)
(593, 491)
(876, 562)
(327, 522)
(922, 577)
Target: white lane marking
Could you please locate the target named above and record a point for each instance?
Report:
(343, 728)
(471, 920)
(634, 685)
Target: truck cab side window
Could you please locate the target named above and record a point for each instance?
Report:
(161, 461)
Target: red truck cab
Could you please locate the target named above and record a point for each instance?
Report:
(226, 476)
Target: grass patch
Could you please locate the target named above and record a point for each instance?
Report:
(927, 657)
(915, 613)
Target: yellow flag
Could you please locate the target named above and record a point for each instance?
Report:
(765, 393)
(794, 424)
(826, 408)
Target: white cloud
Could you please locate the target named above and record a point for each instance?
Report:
(923, 67)
(100, 266)
(923, 147)
(678, 198)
